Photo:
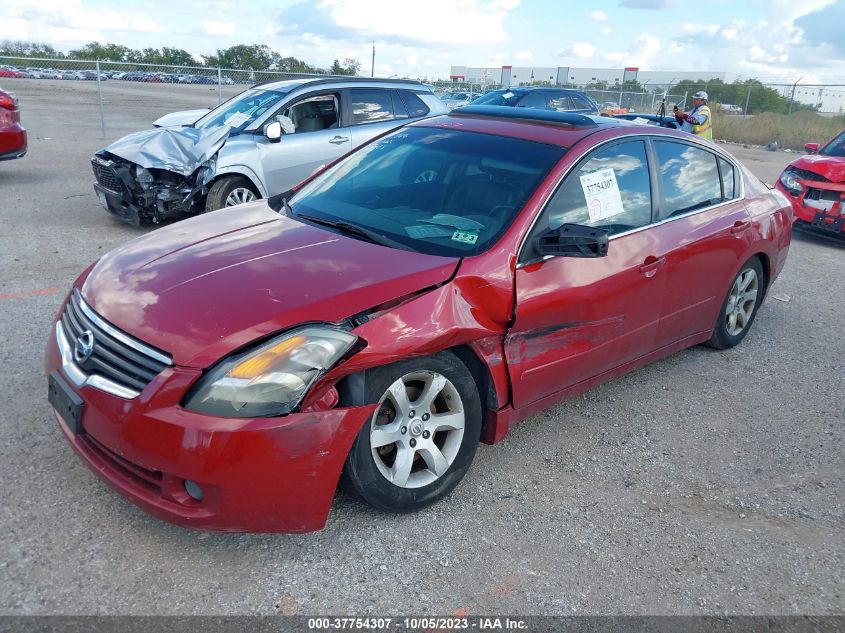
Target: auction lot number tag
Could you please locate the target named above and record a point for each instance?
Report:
(602, 194)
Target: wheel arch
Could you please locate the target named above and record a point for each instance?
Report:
(243, 171)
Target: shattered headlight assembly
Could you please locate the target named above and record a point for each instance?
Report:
(789, 179)
(271, 379)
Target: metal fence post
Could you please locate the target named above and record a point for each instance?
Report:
(219, 87)
(100, 95)
(745, 112)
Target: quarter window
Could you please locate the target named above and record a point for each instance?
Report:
(690, 177)
(728, 180)
(611, 190)
(415, 106)
(371, 106)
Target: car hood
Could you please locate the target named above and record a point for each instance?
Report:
(185, 117)
(203, 287)
(831, 167)
(180, 150)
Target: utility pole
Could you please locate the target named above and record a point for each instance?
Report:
(373, 64)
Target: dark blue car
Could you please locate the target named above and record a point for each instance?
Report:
(559, 99)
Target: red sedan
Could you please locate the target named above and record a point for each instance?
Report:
(12, 135)
(416, 297)
(815, 185)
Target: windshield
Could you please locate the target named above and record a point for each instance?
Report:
(499, 98)
(434, 191)
(836, 147)
(242, 110)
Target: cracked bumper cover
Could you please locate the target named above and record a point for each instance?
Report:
(257, 475)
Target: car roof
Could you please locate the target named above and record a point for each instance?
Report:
(544, 126)
(292, 84)
(532, 88)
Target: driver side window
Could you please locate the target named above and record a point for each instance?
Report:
(610, 190)
(311, 114)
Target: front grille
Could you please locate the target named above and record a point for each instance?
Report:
(105, 176)
(116, 356)
(822, 194)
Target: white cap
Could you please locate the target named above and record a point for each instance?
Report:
(700, 95)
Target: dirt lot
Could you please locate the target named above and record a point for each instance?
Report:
(711, 482)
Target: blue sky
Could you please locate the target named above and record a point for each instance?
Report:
(774, 40)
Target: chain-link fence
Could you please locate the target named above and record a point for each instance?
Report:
(119, 97)
(116, 98)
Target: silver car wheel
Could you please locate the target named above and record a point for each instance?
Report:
(417, 429)
(239, 195)
(741, 301)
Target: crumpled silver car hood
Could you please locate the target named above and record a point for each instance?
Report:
(180, 150)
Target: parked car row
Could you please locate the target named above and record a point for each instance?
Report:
(15, 72)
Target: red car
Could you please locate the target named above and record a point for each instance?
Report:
(12, 134)
(815, 185)
(416, 297)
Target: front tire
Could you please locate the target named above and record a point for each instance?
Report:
(230, 191)
(740, 306)
(422, 438)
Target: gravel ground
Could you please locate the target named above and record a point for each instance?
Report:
(708, 483)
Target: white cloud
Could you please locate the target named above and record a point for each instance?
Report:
(442, 21)
(598, 16)
(696, 29)
(606, 31)
(649, 47)
(213, 27)
(583, 50)
(523, 55)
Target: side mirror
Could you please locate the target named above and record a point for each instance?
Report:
(273, 131)
(572, 240)
(813, 148)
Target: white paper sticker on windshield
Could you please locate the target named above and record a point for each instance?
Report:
(507, 95)
(237, 119)
(602, 194)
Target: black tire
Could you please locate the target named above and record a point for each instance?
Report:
(221, 190)
(730, 330)
(368, 480)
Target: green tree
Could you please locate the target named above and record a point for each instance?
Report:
(293, 65)
(167, 57)
(243, 56)
(108, 52)
(19, 48)
(350, 67)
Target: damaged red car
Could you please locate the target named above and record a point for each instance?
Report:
(815, 185)
(413, 299)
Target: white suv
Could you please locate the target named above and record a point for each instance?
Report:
(261, 142)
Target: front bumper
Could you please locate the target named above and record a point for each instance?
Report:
(826, 216)
(257, 475)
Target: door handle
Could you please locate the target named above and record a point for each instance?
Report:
(651, 264)
(740, 226)
(337, 140)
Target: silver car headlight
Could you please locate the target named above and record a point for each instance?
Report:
(271, 379)
(789, 180)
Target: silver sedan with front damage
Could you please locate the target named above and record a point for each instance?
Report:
(260, 143)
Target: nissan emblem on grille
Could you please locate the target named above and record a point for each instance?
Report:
(84, 346)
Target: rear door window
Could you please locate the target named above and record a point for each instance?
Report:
(533, 99)
(581, 102)
(690, 177)
(370, 106)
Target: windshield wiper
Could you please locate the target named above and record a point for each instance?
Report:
(351, 229)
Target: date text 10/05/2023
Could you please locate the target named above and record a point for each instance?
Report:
(417, 623)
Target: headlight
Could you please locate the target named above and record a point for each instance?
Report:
(271, 379)
(788, 180)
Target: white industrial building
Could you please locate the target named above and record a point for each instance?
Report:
(564, 75)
